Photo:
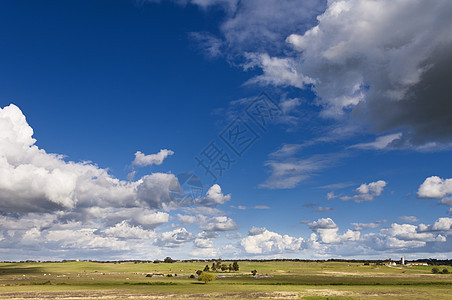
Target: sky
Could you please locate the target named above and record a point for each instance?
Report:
(141, 129)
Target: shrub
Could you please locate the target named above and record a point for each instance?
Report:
(445, 271)
(206, 277)
(435, 270)
(254, 272)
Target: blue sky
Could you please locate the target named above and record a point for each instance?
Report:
(330, 121)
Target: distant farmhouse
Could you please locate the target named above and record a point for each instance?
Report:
(418, 263)
(403, 263)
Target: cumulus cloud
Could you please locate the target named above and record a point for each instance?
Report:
(219, 224)
(435, 187)
(125, 230)
(85, 239)
(351, 56)
(174, 238)
(327, 230)
(49, 203)
(382, 63)
(395, 78)
(32, 180)
(262, 241)
(214, 196)
(367, 191)
(143, 160)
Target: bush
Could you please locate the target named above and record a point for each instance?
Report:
(254, 272)
(192, 276)
(445, 271)
(435, 270)
(198, 272)
(206, 277)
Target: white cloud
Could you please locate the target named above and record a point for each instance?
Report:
(367, 191)
(203, 243)
(186, 219)
(31, 180)
(262, 241)
(407, 232)
(174, 238)
(409, 219)
(214, 196)
(374, 188)
(276, 71)
(204, 252)
(330, 196)
(143, 160)
(85, 239)
(327, 230)
(363, 226)
(125, 230)
(289, 172)
(381, 142)
(256, 230)
(219, 224)
(286, 150)
(435, 187)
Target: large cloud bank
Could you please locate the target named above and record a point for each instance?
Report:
(49, 204)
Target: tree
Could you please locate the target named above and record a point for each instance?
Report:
(435, 270)
(445, 271)
(254, 272)
(206, 277)
(214, 268)
(218, 264)
(199, 272)
(235, 266)
(223, 267)
(206, 269)
(230, 267)
(168, 260)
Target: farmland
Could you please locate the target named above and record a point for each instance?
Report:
(274, 279)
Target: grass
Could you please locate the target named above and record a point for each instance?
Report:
(314, 280)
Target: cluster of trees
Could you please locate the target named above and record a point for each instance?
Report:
(219, 265)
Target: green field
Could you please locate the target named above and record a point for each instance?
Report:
(275, 280)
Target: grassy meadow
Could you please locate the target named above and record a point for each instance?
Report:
(274, 280)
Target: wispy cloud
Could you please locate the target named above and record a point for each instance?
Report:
(289, 172)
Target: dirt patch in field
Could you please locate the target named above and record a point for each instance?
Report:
(327, 292)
